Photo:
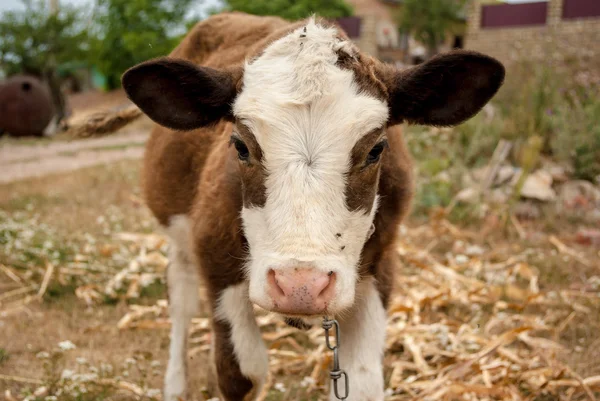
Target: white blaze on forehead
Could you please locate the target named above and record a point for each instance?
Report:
(298, 73)
(307, 114)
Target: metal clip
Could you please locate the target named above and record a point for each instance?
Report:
(336, 373)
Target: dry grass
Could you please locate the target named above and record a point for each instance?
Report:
(477, 314)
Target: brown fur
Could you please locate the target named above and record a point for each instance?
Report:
(361, 185)
(197, 172)
(252, 173)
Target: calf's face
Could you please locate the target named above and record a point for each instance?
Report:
(310, 117)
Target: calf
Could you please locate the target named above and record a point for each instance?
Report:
(279, 172)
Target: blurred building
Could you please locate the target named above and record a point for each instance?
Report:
(80, 77)
(567, 31)
(374, 29)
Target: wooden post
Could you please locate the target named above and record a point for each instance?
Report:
(53, 7)
(50, 75)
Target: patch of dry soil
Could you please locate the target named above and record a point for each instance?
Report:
(18, 162)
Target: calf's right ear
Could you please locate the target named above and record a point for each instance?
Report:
(180, 95)
(445, 90)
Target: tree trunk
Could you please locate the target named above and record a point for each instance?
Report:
(58, 99)
(432, 50)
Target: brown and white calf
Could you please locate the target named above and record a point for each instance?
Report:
(279, 171)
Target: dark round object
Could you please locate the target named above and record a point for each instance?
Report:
(25, 106)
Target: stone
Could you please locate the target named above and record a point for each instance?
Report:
(468, 195)
(499, 195)
(489, 111)
(588, 236)
(504, 174)
(527, 211)
(443, 176)
(479, 174)
(558, 172)
(538, 185)
(461, 259)
(474, 250)
(579, 194)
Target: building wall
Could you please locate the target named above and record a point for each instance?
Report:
(374, 8)
(367, 42)
(575, 42)
(377, 16)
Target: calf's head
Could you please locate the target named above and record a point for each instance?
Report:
(310, 116)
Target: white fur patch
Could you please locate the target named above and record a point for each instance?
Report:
(234, 307)
(182, 281)
(306, 114)
(362, 333)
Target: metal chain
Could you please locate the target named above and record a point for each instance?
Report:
(336, 373)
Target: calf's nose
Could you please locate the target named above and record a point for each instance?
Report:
(300, 291)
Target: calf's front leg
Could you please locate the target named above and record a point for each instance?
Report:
(362, 344)
(240, 355)
(182, 283)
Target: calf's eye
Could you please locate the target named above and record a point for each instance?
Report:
(375, 153)
(242, 149)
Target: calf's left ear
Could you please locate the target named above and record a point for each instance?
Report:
(445, 90)
(181, 95)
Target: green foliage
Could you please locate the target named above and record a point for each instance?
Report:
(132, 31)
(547, 102)
(429, 21)
(577, 137)
(540, 109)
(527, 99)
(292, 9)
(33, 40)
(3, 355)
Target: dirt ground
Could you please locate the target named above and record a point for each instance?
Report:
(481, 310)
(27, 158)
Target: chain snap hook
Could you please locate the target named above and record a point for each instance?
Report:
(336, 373)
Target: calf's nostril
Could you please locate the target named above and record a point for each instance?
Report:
(274, 283)
(328, 289)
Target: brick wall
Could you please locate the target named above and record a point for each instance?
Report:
(367, 42)
(374, 8)
(574, 42)
(374, 14)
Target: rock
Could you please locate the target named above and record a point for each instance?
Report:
(443, 176)
(558, 172)
(579, 194)
(499, 195)
(461, 259)
(527, 211)
(468, 195)
(504, 174)
(467, 180)
(489, 111)
(479, 174)
(593, 216)
(538, 185)
(474, 250)
(588, 236)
